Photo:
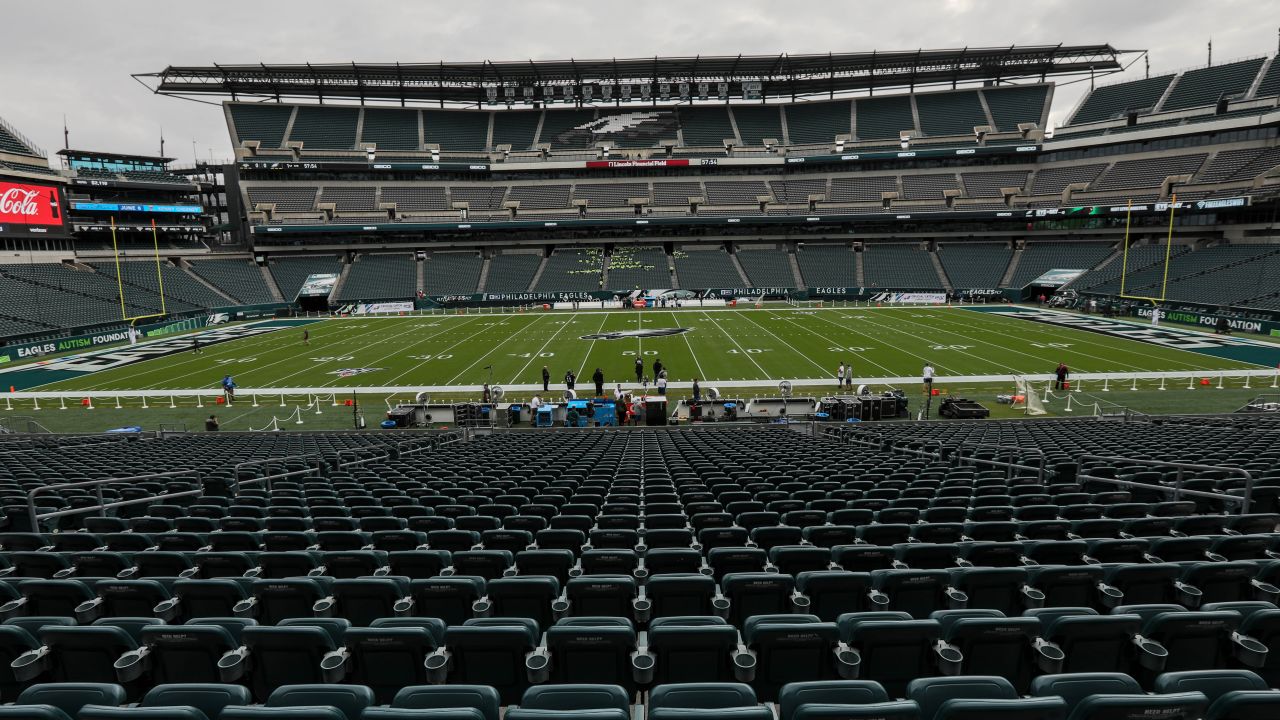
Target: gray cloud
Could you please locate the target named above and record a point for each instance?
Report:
(75, 57)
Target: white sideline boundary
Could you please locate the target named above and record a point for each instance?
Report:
(823, 384)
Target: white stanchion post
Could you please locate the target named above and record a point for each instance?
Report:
(1220, 377)
(62, 403)
(35, 403)
(1191, 383)
(1275, 379)
(1045, 399)
(1068, 408)
(118, 407)
(1077, 386)
(90, 405)
(1247, 378)
(172, 404)
(298, 412)
(254, 398)
(1106, 384)
(144, 403)
(1135, 383)
(282, 400)
(8, 406)
(1162, 379)
(199, 400)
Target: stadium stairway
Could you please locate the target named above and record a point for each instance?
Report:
(942, 273)
(795, 268)
(186, 268)
(537, 274)
(271, 283)
(859, 273)
(737, 265)
(342, 278)
(1013, 267)
(422, 272)
(485, 264)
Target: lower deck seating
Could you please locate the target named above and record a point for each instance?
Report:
(381, 277)
(581, 573)
(974, 265)
(766, 267)
(898, 266)
(572, 269)
(702, 269)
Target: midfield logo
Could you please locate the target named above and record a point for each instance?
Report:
(350, 372)
(645, 333)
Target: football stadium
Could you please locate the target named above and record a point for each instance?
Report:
(870, 384)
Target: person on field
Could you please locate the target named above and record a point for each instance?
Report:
(211, 425)
(598, 378)
(639, 369)
(546, 378)
(927, 374)
(486, 395)
(662, 384)
(306, 337)
(228, 389)
(697, 391)
(1062, 372)
(195, 345)
(848, 376)
(840, 376)
(569, 380)
(657, 367)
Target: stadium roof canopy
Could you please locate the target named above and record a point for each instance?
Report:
(780, 76)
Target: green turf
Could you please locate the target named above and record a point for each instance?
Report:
(723, 346)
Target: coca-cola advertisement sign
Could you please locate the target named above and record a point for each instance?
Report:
(27, 209)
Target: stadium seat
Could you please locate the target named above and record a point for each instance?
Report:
(718, 701)
(790, 648)
(62, 701)
(894, 649)
(831, 699)
(1098, 696)
(491, 651)
(575, 701)
(273, 657)
(972, 697)
(175, 702)
(695, 649)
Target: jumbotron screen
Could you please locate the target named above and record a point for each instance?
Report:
(28, 209)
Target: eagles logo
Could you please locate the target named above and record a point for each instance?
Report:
(646, 333)
(351, 372)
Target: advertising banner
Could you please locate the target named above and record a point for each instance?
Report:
(27, 351)
(1189, 317)
(382, 307)
(910, 298)
(318, 285)
(27, 209)
(1057, 277)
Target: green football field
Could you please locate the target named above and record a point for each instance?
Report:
(745, 347)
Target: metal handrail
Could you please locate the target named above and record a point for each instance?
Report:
(1177, 490)
(1040, 469)
(103, 505)
(382, 455)
(235, 471)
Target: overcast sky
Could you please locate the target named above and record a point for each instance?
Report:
(75, 57)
